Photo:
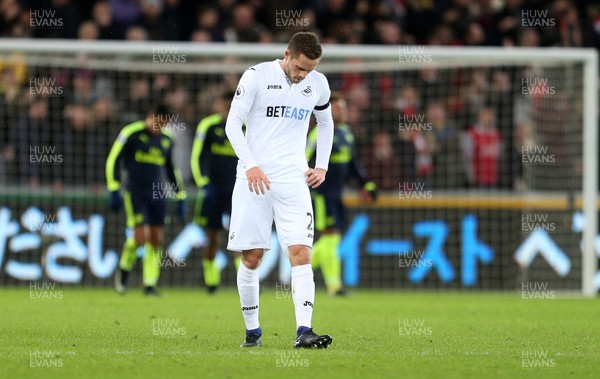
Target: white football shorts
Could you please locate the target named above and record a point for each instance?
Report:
(252, 216)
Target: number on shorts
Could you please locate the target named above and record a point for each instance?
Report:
(309, 227)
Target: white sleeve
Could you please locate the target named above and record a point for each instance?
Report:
(246, 90)
(240, 107)
(324, 137)
(322, 113)
(233, 129)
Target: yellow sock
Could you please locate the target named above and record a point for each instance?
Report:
(128, 255)
(330, 262)
(315, 255)
(212, 275)
(152, 262)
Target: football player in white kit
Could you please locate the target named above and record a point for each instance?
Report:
(275, 99)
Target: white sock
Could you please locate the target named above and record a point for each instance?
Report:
(248, 288)
(303, 294)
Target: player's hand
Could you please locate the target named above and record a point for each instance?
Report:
(315, 177)
(114, 201)
(181, 209)
(369, 192)
(257, 180)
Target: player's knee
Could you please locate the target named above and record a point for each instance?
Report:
(251, 262)
(299, 255)
(251, 259)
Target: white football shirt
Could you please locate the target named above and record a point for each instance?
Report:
(278, 116)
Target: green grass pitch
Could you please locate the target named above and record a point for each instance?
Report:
(95, 333)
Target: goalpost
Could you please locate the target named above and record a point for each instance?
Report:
(435, 225)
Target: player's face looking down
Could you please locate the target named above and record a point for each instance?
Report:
(297, 67)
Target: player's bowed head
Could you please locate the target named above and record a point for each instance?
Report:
(302, 56)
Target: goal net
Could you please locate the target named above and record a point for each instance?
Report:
(485, 160)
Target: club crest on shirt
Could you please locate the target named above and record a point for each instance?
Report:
(307, 91)
(239, 92)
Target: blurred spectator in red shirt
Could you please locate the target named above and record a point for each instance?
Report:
(482, 148)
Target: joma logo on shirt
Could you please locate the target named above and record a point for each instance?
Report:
(274, 86)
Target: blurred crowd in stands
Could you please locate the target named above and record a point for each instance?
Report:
(445, 128)
(427, 22)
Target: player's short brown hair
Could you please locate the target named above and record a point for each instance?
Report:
(306, 43)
